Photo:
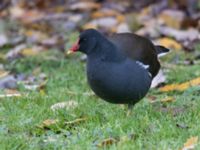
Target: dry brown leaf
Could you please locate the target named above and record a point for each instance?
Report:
(168, 99)
(152, 99)
(76, 121)
(49, 122)
(190, 143)
(182, 86)
(105, 13)
(107, 142)
(10, 93)
(3, 73)
(67, 105)
(89, 26)
(169, 43)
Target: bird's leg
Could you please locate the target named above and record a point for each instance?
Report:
(130, 108)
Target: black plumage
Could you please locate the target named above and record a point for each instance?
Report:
(120, 68)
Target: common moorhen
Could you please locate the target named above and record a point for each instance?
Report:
(120, 68)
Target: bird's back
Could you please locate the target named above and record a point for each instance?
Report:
(137, 48)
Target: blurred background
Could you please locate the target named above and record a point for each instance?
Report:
(45, 101)
(28, 28)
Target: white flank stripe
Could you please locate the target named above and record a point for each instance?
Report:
(142, 65)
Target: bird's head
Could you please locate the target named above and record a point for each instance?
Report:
(86, 42)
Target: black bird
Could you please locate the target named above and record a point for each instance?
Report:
(120, 68)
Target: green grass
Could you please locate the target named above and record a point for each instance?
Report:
(151, 126)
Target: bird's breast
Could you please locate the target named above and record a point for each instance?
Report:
(118, 82)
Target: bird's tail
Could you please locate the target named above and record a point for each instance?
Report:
(161, 50)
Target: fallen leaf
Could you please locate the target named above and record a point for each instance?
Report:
(89, 26)
(150, 29)
(190, 143)
(120, 18)
(48, 123)
(169, 43)
(14, 53)
(106, 22)
(16, 11)
(3, 40)
(3, 73)
(172, 18)
(85, 6)
(180, 35)
(76, 121)
(105, 13)
(168, 99)
(32, 51)
(10, 93)
(34, 36)
(107, 142)
(180, 87)
(31, 16)
(152, 99)
(67, 105)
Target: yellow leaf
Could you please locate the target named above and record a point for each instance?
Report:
(182, 86)
(90, 26)
(146, 11)
(107, 142)
(31, 51)
(37, 35)
(120, 18)
(168, 99)
(190, 143)
(105, 13)
(169, 43)
(172, 18)
(49, 122)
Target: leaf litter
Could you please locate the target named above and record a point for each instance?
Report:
(45, 27)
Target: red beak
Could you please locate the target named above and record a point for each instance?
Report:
(74, 47)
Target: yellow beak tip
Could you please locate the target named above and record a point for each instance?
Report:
(69, 52)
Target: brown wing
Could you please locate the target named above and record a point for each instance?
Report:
(137, 48)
